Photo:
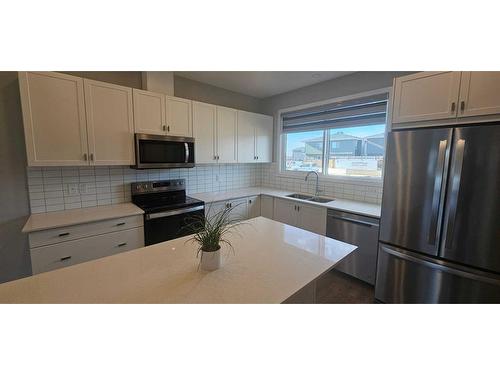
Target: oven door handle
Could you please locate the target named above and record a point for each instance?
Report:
(173, 212)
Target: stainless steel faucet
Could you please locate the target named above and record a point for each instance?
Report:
(317, 181)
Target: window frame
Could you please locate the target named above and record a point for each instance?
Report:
(282, 172)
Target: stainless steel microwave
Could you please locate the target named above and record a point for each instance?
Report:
(162, 151)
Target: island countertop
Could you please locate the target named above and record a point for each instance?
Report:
(270, 263)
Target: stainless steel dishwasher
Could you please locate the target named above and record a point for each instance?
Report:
(361, 231)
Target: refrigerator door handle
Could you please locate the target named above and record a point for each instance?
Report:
(455, 189)
(437, 192)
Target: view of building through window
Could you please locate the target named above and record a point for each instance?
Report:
(352, 151)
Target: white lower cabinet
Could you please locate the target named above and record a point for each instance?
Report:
(56, 248)
(299, 215)
(51, 257)
(253, 204)
(267, 206)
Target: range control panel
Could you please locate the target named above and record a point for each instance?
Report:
(145, 187)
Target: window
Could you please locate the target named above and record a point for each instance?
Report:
(304, 151)
(338, 139)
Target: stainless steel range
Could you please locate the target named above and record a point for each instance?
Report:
(168, 211)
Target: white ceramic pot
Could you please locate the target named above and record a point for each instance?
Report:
(210, 260)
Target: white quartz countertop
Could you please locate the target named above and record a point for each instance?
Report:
(356, 207)
(278, 261)
(59, 219)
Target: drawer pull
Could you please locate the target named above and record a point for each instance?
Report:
(63, 234)
(122, 244)
(65, 258)
(119, 224)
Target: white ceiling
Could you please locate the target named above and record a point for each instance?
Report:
(261, 84)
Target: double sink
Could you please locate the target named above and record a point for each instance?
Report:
(310, 198)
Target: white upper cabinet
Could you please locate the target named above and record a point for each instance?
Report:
(156, 113)
(204, 129)
(149, 112)
(264, 138)
(110, 123)
(227, 128)
(479, 94)
(246, 138)
(179, 122)
(55, 125)
(426, 96)
(255, 137)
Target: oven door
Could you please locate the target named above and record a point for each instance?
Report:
(164, 226)
(157, 151)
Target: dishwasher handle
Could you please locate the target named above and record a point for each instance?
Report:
(354, 221)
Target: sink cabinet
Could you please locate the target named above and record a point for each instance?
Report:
(305, 216)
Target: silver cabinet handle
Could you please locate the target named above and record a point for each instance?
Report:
(122, 244)
(168, 128)
(85, 157)
(436, 196)
(65, 258)
(215, 157)
(64, 234)
(92, 157)
(462, 105)
(453, 105)
(120, 224)
(164, 127)
(455, 189)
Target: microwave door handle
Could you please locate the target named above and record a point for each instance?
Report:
(186, 150)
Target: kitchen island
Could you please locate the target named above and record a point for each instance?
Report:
(271, 263)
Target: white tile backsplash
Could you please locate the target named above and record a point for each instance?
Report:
(64, 188)
(370, 192)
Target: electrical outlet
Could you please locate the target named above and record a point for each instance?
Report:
(83, 189)
(73, 189)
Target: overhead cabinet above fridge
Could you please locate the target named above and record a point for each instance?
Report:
(445, 98)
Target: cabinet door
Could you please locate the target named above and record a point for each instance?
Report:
(267, 206)
(239, 209)
(227, 122)
(179, 117)
(204, 120)
(110, 123)
(55, 126)
(479, 94)
(253, 206)
(426, 96)
(264, 138)
(149, 112)
(212, 209)
(285, 211)
(246, 138)
(312, 218)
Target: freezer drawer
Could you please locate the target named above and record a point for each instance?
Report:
(361, 231)
(404, 277)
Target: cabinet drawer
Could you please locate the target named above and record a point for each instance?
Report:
(51, 257)
(73, 232)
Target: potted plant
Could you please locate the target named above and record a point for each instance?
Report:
(210, 233)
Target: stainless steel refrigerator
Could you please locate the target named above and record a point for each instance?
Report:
(440, 225)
